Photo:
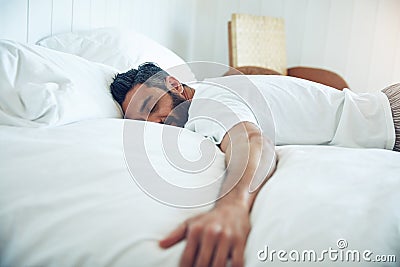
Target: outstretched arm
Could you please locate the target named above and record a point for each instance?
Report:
(214, 237)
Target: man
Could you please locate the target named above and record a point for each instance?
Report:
(303, 113)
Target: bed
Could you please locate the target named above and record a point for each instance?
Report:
(67, 197)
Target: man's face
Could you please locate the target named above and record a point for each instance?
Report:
(155, 105)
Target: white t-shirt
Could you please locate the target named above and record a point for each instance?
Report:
(301, 111)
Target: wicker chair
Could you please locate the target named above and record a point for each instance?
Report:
(257, 45)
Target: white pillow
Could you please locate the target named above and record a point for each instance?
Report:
(122, 49)
(43, 87)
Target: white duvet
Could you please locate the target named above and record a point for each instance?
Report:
(67, 199)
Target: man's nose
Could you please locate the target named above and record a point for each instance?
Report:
(156, 119)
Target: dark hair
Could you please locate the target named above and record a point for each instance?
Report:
(147, 73)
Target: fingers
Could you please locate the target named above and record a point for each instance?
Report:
(174, 237)
(238, 255)
(208, 241)
(212, 239)
(192, 243)
(222, 251)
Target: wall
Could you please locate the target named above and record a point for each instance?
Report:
(359, 39)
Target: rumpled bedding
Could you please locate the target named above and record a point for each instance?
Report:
(67, 199)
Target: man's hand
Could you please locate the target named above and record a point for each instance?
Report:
(221, 234)
(213, 237)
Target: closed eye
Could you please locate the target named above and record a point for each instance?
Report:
(154, 109)
(145, 103)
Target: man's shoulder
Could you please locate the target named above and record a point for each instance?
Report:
(235, 83)
(265, 84)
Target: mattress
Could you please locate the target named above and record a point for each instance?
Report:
(67, 198)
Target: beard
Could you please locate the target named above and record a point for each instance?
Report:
(180, 107)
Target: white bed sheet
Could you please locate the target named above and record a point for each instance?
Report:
(67, 199)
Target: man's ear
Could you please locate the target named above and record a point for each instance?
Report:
(173, 84)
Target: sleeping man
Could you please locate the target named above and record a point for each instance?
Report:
(246, 129)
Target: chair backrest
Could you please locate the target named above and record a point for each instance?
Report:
(257, 41)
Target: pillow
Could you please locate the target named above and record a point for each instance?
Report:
(43, 87)
(122, 49)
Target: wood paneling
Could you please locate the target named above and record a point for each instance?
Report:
(384, 44)
(315, 33)
(81, 15)
(125, 13)
(14, 20)
(62, 16)
(360, 47)
(396, 59)
(359, 39)
(338, 35)
(295, 29)
(39, 19)
(98, 12)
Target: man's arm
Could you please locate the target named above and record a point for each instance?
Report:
(221, 233)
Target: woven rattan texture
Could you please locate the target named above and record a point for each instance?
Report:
(258, 41)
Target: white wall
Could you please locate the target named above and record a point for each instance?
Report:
(359, 39)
